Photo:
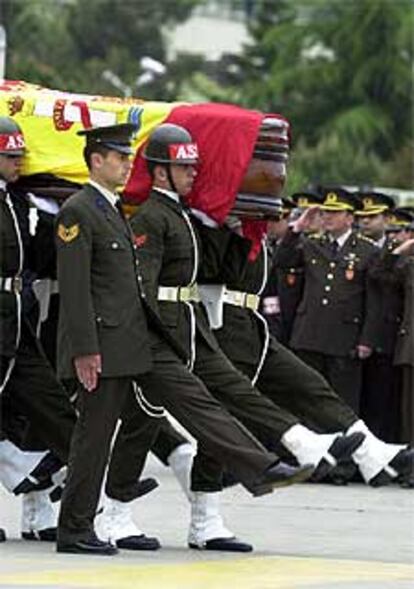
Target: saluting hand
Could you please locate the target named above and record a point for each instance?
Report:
(406, 248)
(305, 220)
(88, 369)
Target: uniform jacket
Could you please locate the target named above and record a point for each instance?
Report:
(23, 253)
(101, 309)
(244, 335)
(286, 285)
(396, 273)
(339, 306)
(390, 309)
(170, 254)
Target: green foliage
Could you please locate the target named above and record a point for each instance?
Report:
(68, 44)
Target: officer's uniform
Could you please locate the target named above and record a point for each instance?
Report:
(339, 306)
(397, 272)
(379, 401)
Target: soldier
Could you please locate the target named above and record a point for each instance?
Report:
(336, 320)
(379, 403)
(27, 383)
(104, 344)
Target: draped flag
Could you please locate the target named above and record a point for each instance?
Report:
(50, 119)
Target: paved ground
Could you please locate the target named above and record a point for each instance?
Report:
(308, 537)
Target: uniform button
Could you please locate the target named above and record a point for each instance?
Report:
(136, 263)
(313, 261)
(325, 302)
(328, 288)
(115, 245)
(332, 264)
(135, 246)
(329, 276)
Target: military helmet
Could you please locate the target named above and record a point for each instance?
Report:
(171, 144)
(11, 138)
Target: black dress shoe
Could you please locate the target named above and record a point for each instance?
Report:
(400, 469)
(2, 535)
(141, 542)
(280, 475)
(223, 545)
(92, 546)
(46, 535)
(339, 451)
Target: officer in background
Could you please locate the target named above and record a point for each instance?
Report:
(335, 324)
(271, 304)
(400, 226)
(379, 401)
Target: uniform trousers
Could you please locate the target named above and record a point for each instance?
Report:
(223, 442)
(300, 390)
(34, 392)
(380, 401)
(99, 412)
(343, 373)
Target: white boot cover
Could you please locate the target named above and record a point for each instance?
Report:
(307, 446)
(115, 522)
(373, 455)
(206, 521)
(38, 512)
(16, 464)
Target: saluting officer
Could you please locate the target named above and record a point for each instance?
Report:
(379, 403)
(336, 321)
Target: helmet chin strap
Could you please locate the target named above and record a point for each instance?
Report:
(170, 178)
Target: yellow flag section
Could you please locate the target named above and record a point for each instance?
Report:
(50, 120)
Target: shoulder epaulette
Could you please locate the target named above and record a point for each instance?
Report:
(365, 238)
(316, 235)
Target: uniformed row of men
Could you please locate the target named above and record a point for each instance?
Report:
(329, 276)
(135, 338)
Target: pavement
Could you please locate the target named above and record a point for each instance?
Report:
(306, 536)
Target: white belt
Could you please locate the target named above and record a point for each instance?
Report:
(242, 299)
(179, 294)
(11, 284)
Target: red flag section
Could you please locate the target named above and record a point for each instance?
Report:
(225, 136)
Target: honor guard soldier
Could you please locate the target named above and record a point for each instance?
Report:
(28, 386)
(379, 403)
(336, 321)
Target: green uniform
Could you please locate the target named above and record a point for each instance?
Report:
(27, 381)
(339, 306)
(100, 313)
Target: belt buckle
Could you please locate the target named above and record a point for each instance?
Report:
(251, 301)
(17, 284)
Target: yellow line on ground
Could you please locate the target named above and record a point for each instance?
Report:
(250, 573)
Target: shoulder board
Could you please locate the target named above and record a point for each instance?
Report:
(365, 238)
(314, 235)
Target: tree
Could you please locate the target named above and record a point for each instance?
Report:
(68, 44)
(342, 73)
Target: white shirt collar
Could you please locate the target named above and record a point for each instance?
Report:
(342, 238)
(110, 196)
(170, 193)
(381, 241)
(3, 184)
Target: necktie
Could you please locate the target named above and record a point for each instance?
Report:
(334, 247)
